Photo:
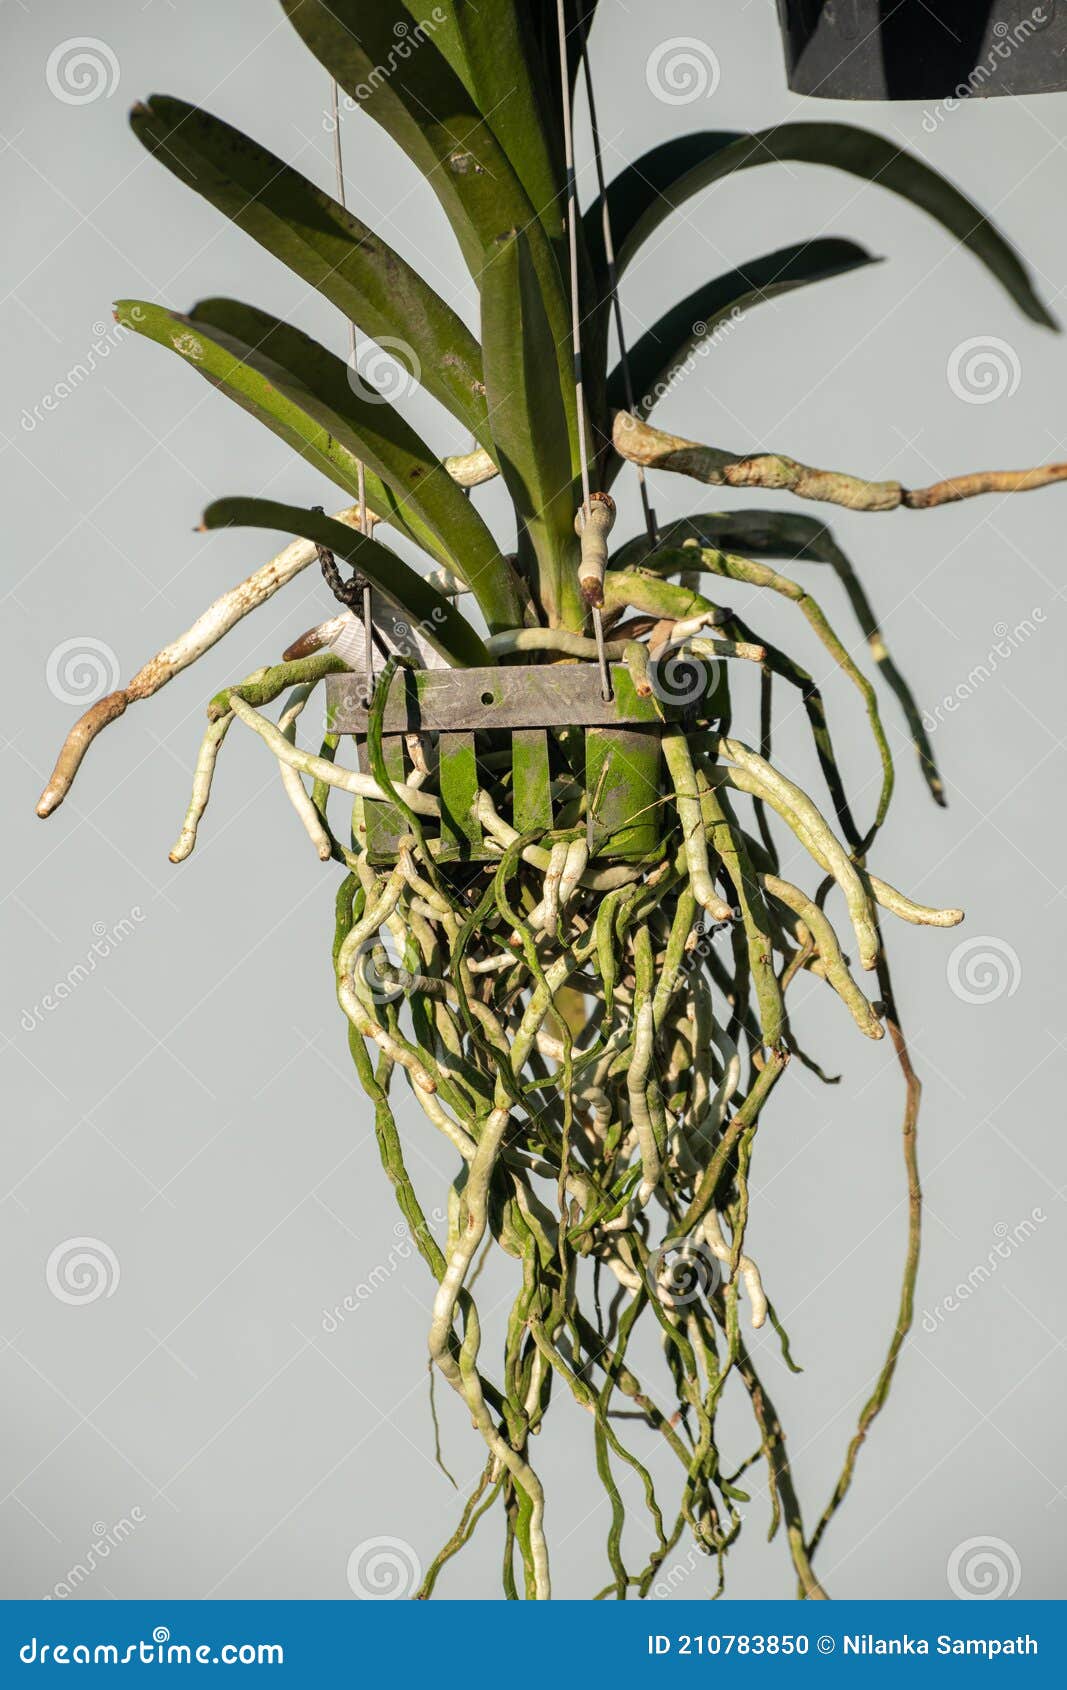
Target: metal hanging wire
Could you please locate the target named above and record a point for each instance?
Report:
(360, 583)
(613, 281)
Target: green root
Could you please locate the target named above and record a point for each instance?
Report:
(598, 1044)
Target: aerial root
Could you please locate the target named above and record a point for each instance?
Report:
(597, 1045)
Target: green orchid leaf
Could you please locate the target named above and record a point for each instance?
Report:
(303, 393)
(435, 617)
(219, 362)
(522, 384)
(663, 179)
(324, 244)
(494, 52)
(402, 81)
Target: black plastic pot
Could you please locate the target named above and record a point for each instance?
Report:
(924, 49)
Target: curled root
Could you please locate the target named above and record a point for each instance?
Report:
(597, 1043)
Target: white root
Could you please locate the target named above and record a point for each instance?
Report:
(227, 610)
(323, 634)
(493, 964)
(593, 527)
(920, 915)
(744, 649)
(448, 583)
(500, 831)
(683, 630)
(811, 826)
(470, 469)
(573, 869)
(292, 781)
(207, 757)
(637, 1077)
(417, 753)
(687, 799)
(543, 918)
(463, 1375)
(320, 768)
(557, 640)
(833, 967)
(710, 1234)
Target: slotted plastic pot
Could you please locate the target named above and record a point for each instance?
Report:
(519, 715)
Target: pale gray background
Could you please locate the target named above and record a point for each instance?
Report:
(190, 1103)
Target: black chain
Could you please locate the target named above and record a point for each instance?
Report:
(348, 593)
(354, 594)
